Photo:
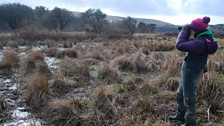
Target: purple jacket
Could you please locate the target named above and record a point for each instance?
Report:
(199, 46)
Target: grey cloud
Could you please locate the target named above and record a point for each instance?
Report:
(135, 7)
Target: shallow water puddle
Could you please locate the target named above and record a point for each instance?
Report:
(52, 62)
(19, 115)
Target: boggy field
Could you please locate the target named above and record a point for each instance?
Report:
(97, 82)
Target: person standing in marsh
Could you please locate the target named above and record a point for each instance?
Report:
(197, 51)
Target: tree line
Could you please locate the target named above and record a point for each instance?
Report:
(16, 16)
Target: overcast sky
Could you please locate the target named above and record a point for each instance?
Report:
(172, 11)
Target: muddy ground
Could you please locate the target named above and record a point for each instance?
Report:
(117, 82)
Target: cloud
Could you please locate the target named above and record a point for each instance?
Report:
(135, 7)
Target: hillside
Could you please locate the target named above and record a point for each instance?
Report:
(162, 26)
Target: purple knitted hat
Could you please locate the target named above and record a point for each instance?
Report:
(200, 24)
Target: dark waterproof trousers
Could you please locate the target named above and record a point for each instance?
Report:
(186, 93)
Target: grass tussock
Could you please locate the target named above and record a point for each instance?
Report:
(211, 96)
(59, 86)
(4, 110)
(37, 92)
(37, 55)
(13, 44)
(95, 54)
(148, 89)
(11, 56)
(109, 74)
(215, 62)
(63, 112)
(105, 112)
(124, 47)
(155, 45)
(172, 65)
(42, 68)
(71, 53)
(34, 62)
(52, 52)
(6, 67)
(10, 60)
(74, 68)
(137, 63)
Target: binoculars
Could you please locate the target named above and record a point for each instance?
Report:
(179, 27)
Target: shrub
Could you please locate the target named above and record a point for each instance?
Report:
(37, 92)
(63, 112)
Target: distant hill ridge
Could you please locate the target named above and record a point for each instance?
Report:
(147, 21)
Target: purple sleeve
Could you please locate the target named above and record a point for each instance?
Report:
(193, 46)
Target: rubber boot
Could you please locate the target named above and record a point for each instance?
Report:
(178, 117)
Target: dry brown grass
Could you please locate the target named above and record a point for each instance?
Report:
(4, 110)
(37, 55)
(95, 54)
(62, 112)
(71, 53)
(59, 86)
(42, 68)
(52, 52)
(6, 67)
(148, 89)
(123, 47)
(173, 64)
(75, 68)
(105, 113)
(12, 57)
(109, 74)
(30, 63)
(33, 35)
(155, 45)
(215, 62)
(136, 62)
(211, 97)
(13, 44)
(37, 92)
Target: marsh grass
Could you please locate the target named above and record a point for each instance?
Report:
(134, 63)
(11, 56)
(63, 112)
(34, 62)
(37, 92)
(71, 53)
(9, 62)
(59, 86)
(105, 112)
(77, 69)
(4, 110)
(109, 74)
